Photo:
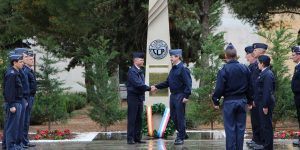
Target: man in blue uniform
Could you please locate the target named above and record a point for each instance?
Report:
(28, 70)
(136, 89)
(13, 94)
(25, 85)
(258, 50)
(180, 83)
(296, 84)
(236, 97)
(265, 84)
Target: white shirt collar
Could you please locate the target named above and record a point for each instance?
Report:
(264, 69)
(137, 67)
(178, 62)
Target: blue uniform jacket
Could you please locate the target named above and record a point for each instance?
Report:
(136, 81)
(25, 83)
(254, 75)
(265, 84)
(179, 80)
(296, 80)
(13, 89)
(233, 83)
(31, 80)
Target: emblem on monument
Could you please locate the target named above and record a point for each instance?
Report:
(158, 49)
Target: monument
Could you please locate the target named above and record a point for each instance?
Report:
(158, 62)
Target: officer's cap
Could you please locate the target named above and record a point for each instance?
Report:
(15, 57)
(229, 46)
(176, 52)
(264, 59)
(138, 55)
(260, 45)
(29, 53)
(249, 49)
(296, 49)
(21, 51)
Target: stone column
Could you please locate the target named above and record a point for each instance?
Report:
(157, 55)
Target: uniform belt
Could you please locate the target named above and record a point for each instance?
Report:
(235, 97)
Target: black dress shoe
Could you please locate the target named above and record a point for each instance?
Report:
(186, 137)
(296, 143)
(25, 146)
(178, 142)
(258, 147)
(30, 145)
(130, 142)
(250, 142)
(139, 141)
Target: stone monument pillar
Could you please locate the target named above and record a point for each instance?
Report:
(157, 54)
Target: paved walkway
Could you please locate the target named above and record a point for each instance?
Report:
(151, 145)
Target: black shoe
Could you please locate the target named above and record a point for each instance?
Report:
(130, 142)
(3, 148)
(139, 141)
(296, 143)
(186, 137)
(258, 147)
(25, 146)
(178, 142)
(30, 145)
(250, 142)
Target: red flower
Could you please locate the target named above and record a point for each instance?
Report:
(37, 137)
(291, 133)
(298, 133)
(283, 135)
(67, 131)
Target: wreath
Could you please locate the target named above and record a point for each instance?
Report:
(157, 109)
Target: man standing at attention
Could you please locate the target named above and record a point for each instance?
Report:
(296, 84)
(180, 83)
(236, 96)
(136, 89)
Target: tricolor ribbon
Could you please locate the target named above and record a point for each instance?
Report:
(164, 123)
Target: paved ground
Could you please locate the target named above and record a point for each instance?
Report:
(151, 145)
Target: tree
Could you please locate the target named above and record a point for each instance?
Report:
(105, 99)
(281, 41)
(49, 104)
(260, 12)
(201, 109)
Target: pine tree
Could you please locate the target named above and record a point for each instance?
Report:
(49, 104)
(105, 99)
(281, 40)
(3, 67)
(201, 109)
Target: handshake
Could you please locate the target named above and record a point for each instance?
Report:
(153, 89)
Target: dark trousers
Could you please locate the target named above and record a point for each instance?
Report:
(22, 121)
(234, 112)
(255, 124)
(177, 112)
(28, 110)
(12, 126)
(134, 116)
(297, 103)
(266, 127)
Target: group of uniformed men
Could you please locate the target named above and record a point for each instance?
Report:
(240, 86)
(19, 88)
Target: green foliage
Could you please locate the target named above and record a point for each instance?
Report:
(74, 101)
(105, 99)
(157, 109)
(260, 12)
(200, 110)
(48, 100)
(3, 67)
(281, 41)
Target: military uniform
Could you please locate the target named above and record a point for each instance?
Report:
(25, 100)
(135, 98)
(236, 96)
(253, 67)
(32, 90)
(13, 93)
(180, 83)
(295, 85)
(265, 84)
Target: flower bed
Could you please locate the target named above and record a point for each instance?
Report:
(290, 134)
(52, 135)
